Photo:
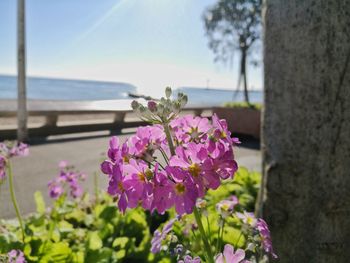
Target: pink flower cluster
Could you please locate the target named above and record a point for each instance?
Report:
(264, 232)
(8, 150)
(159, 236)
(203, 157)
(2, 167)
(66, 178)
(16, 256)
(261, 227)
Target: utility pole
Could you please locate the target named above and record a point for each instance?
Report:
(22, 131)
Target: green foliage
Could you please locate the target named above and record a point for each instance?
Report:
(40, 203)
(81, 231)
(245, 186)
(93, 230)
(256, 106)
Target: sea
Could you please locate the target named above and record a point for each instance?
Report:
(65, 89)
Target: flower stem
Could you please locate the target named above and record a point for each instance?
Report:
(96, 188)
(169, 139)
(218, 237)
(239, 237)
(209, 231)
(166, 159)
(222, 235)
(207, 246)
(14, 200)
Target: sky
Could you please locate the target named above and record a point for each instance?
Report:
(148, 43)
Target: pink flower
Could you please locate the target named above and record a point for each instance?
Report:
(137, 175)
(16, 256)
(162, 193)
(225, 207)
(62, 164)
(107, 167)
(184, 191)
(11, 149)
(264, 231)
(221, 131)
(159, 236)
(8, 150)
(247, 218)
(117, 153)
(114, 152)
(55, 189)
(222, 161)
(20, 149)
(146, 140)
(117, 187)
(190, 160)
(152, 106)
(76, 190)
(2, 167)
(203, 158)
(189, 128)
(189, 259)
(230, 256)
(66, 178)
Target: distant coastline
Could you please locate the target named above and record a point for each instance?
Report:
(42, 88)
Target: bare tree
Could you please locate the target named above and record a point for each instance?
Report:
(22, 132)
(234, 25)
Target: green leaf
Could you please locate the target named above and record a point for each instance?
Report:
(233, 236)
(57, 252)
(27, 252)
(121, 254)
(109, 213)
(78, 257)
(106, 231)
(95, 241)
(120, 242)
(40, 203)
(76, 215)
(104, 255)
(4, 243)
(64, 226)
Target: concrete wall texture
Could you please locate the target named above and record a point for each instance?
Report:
(306, 130)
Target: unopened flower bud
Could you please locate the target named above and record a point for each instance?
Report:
(251, 247)
(176, 107)
(149, 174)
(174, 239)
(180, 95)
(134, 104)
(160, 109)
(179, 249)
(142, 109)
(168, 92)
(201, 203)
(183, 100)
(152, 106)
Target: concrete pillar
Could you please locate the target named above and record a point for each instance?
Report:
(306, 130)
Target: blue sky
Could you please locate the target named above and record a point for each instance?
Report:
(149, 43)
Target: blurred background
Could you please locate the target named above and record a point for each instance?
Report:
(70, 69)
(93, 50)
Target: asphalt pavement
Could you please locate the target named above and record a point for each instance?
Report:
(32, 173)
